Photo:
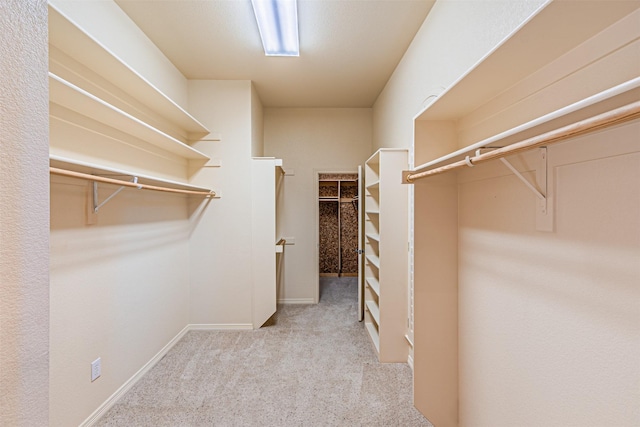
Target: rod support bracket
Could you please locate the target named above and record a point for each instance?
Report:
(544, 214)
(97, 205)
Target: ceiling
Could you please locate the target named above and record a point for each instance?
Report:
(348, 48)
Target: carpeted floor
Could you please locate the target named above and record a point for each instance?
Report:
(312, 366)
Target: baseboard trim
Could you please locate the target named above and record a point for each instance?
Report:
(219, 326)
(102, 409)
(296, 301)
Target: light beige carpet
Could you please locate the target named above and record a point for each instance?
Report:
(312, 366)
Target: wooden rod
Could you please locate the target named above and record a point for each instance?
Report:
(601, 121)
(281, 242)
(89, 177)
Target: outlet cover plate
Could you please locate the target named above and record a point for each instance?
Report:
(96, 369)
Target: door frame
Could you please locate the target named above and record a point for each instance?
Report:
(316, 179)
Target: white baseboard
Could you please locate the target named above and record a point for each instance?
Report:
(102, 409)
(296, 301)
(218, 326)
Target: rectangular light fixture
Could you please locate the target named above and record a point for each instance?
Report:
(278, 26)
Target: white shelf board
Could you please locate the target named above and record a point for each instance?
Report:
(92, 168)
(374, 185)
(82, 102)
(67, 36)
(374, 237)
(553, 30)
(374, 285)
(374, 260)
(373, 333)
(374, 310)
(373, 212)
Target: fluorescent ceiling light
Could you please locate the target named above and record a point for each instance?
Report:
(278, 25)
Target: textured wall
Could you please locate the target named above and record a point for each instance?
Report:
(549, 323)
(221, 241)
(24, 214)
(455, 35)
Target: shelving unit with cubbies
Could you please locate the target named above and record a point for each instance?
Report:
(386, 236)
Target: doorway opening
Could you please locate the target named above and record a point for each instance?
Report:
(338, 222)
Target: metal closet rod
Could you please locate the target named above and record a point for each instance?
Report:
(601, 121)
(64, 172)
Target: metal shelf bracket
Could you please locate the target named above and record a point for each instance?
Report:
(544, 217)
(97, 205)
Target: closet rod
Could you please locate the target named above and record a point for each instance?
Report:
(601, 121)
(64, 172)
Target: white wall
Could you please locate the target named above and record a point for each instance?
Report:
(221, 238)
(120, 286)
(24, 216)
(549, 322)
(257, 124)
(455, 35)
(119, 290)
(308, 141)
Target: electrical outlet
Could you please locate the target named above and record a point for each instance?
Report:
(96, 369)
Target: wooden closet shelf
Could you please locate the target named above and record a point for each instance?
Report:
(71, 97)
(67, 36)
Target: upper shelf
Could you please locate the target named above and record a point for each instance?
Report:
(65, 35)
(569, 61)
(82, 102)
(554, 30)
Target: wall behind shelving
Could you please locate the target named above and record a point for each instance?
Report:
(221, 280)
(310, 140)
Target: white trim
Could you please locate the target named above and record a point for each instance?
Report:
(102, 409)
(219, 326)
(296, 301)
(410, 361)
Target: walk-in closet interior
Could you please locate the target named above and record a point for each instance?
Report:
(338, 224)
(474, 168)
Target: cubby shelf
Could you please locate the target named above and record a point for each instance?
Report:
(69, 96)
(373, 283)
(374, 260)
(373, 186)
(374, 236)
(65, 35)
(374, 310)
(373, 333)
(386, 254)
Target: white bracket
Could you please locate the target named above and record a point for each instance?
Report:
(544, 211)
(96, 205)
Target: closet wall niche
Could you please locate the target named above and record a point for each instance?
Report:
(338, 224)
